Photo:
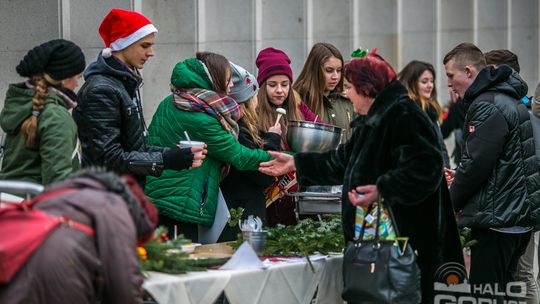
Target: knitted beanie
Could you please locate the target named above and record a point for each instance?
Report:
(244, 84)
(191, 73)
(270, 62)
(59, 58)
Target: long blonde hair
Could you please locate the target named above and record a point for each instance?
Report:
(250, 120)
(29, 126)
(267, 111)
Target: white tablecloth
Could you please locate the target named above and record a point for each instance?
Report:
(280, 283)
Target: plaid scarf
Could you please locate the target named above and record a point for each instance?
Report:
(222, 108)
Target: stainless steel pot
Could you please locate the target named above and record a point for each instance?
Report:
(308, 136)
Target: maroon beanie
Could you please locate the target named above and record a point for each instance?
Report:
(270, 62)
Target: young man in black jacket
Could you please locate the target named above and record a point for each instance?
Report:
(109, 115)
(491, 187)
(525, 269)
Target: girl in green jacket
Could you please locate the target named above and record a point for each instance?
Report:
(41, 143)
(198, 106)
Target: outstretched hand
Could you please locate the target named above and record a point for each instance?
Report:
(364, 195)
(280, 165)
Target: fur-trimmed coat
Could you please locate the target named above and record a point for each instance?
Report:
(395, 147)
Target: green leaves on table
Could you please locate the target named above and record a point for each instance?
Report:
(307, 237)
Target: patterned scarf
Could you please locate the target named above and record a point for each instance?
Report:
(222, 108)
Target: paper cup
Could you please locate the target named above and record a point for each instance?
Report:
(190, 144)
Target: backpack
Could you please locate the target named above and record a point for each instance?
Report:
(24, 228)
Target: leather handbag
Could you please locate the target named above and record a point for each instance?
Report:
(380, 271)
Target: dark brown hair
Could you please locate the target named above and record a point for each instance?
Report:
(311, 82)
(498, 57)
(466, 54)
(217, 66)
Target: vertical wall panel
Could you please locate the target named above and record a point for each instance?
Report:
(418, 32)
(331, 20)
(24, 24)
(492, 24)
(377, 27)
(524, 39)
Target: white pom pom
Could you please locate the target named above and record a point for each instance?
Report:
(106, 53)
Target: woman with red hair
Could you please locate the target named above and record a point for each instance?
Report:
(393, 152)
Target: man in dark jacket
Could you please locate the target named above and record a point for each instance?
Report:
(109, 116)
(525, 269)
(490, 185)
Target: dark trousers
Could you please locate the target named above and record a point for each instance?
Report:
(494, 259)
(189, 230)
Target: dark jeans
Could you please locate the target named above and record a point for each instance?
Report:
(494, 260)
(189, 230)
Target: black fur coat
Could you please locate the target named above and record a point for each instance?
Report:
(395, 147)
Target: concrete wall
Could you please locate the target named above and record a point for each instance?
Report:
(402, 30)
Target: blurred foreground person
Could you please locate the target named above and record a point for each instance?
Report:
(98, 264)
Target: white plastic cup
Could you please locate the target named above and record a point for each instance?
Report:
(191, 144)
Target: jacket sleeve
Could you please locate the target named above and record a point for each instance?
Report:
(487, 136)
(271, 141)
(224, 147)
(255, 176)
(101, 112)
(326, 168)
(116, 241)
(57, 141)
(418, 162)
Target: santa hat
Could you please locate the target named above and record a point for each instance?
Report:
(121, 28)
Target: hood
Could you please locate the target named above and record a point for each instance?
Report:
(113, 67)
(502, 79)
(191, 74)
(18, 106)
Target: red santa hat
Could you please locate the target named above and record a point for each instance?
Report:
(121, 28)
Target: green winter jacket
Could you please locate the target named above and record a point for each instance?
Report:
(341, 114)
(191, 195)
(56, 153)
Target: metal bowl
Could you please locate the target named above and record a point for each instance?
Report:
(308, 136)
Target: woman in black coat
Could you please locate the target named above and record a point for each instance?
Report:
(393, 151)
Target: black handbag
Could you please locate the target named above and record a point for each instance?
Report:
(380, 271)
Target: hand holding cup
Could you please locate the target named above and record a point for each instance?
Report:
(198, 148)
